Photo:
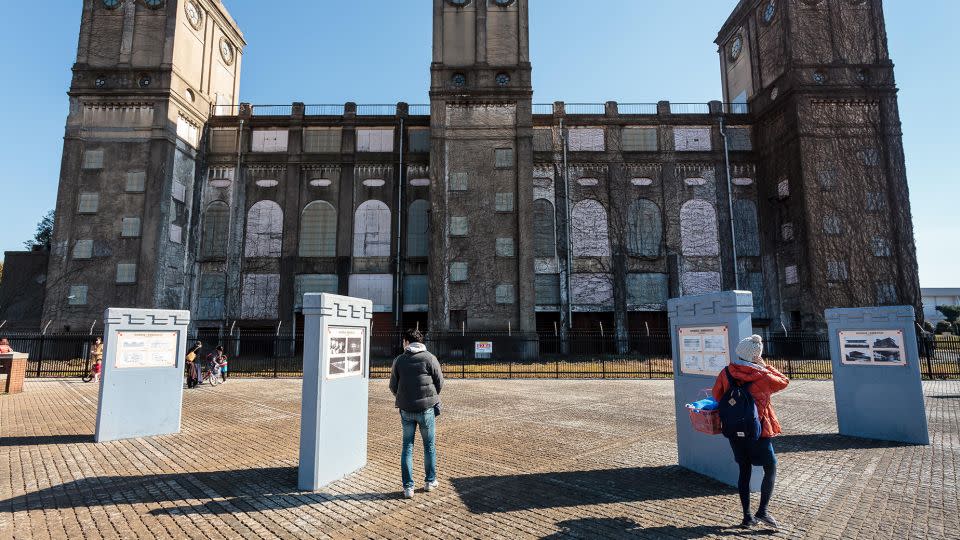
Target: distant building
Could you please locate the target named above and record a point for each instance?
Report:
(482, 209)
(933, 297)
(21, 290)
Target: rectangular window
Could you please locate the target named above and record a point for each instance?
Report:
(269, 140)
(77, 296)
(783, 188)
(692, 139)
(504, 202)
(543, 140)
(179, 192)
(223, 141)
(136, 182)
(176, 234)
(210, 301)
(886, 294)
(322, 140)
(458, 271)
(647, 290)
(738, 139)
(504, 158)
(458, 226)
(832, 225)
(637, 139)
(130, 227)
(790, 275)
(188, 131)
(505, 247)
(458, 181)
(415, 293)
(546, 289)
(836, 270)
(505, 294)
(375, 140)
(870, 157)
(378, 288)
(89, 202)
(259, 298)
(875, 201)
(881, 248)
(126, 273)
(83, 249)
(313, 283)
(586, 140)
(786, 231)
(827, 179)
(419, 140)
(93, 159)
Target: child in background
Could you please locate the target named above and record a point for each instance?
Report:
(223, 365)
(96, 368)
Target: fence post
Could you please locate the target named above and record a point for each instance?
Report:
(790, 368)
(40, 355)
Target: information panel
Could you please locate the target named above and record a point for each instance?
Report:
(346, 352)
(872, 347)
(704, 350)
(146, 350)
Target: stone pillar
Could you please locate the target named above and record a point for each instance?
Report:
(15, 368)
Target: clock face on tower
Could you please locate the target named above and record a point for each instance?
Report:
(194, 15)
(736, 48)
(226, 51)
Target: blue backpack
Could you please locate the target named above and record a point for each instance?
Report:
(738, 412)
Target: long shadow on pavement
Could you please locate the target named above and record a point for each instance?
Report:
(627, 528)
(819, 442)
(37, 440)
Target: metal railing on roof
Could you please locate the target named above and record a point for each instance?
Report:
(637, 108)
(377, 110)
(736, 108)
(585, 108)
(272, 110)
(689, 108)
(323, 110)
(543, 108)
(419, 110)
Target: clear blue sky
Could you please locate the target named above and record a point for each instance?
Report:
(378, 51)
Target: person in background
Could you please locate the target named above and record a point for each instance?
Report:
(416, 380)
(96, 369)
(5, 346)
(763, 380)
(191, 365)
(223, 365)
(96, 350)
(213, 365)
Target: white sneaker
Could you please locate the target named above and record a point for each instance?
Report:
(407, 493)
(432, 485)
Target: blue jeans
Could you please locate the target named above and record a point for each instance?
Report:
(410, 421)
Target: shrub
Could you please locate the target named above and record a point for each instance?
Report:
(943, 327)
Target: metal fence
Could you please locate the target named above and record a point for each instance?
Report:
(323, 110)
(579, 355)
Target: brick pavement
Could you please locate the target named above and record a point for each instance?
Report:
(518, 459)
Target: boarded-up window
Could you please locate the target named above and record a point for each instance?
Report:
(188, 131)
(886, 294)
(783, 188)
(875, 201)
(837, 271)
(790, 275)
(459, 226)
(547, 289)
(418, 243)
(313, 283)
(88, 202)
(504, 202)
(786, 231)
(647, 290)
(638, 139)
(505, 247)
(83, 249)
(645, 229)
(543, 140)
(458, 181)
(746, 227)
(130, 227)
(210, 301)
(179, 192)
(832, 225)
(136, 182)
(458, 271)
(755, 285)
(504, 293)
(586, 140)
(126, 273)
(503, 158)
(321, 140)
(216, 226)
(78, 295)
(691, 139)
(695, 283)
(827, 179)
(378, 288)
(176, 234)
(264, 230)
(371, 230)
(375, 140)
(881, 247)
(415, 293)
(589, 232)
(419, 140)
(318, 230)
(592, 290)
(223, 141)
(544, 232)
(698, 229)
(260, 296)
(93, 159)
(738, 139)
(269, 140)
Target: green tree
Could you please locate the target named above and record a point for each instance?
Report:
(44, 233)
(1, 271)
(951, 313)
(943, 327)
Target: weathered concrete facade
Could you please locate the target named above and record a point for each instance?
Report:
(485, 211)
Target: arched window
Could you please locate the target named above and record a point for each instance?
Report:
(589, 230)
(371, 230)
(264, 230)
(544, 232)
(418, 244)
(746, 227)
(645, 229)
(318, 230)
(698, 229)
(216, 227)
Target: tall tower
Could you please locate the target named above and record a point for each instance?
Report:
(147, 74)
(836, 222)
(481, 161)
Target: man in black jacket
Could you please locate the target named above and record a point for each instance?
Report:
(416, 381)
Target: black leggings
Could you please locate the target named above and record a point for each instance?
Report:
(766, 487)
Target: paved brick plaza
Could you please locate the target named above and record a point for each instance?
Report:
(526, 459)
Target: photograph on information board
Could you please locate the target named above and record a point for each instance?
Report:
(345, 352)
(872, 347)
(703, 350)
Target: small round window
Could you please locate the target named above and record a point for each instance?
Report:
(459, 80)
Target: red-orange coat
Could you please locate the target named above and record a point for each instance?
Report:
(765, 383)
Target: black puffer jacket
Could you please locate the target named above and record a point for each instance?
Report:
(416, 381)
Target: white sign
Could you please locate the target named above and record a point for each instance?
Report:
(346, 351)
(703, 350)
(872, 347)
(146, 350)
(484, 348)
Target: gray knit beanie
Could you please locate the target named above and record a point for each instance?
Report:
(750, 348)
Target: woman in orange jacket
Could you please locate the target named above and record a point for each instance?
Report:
(764, 380)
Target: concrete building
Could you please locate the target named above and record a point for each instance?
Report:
(483, 210)
(933, 297)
